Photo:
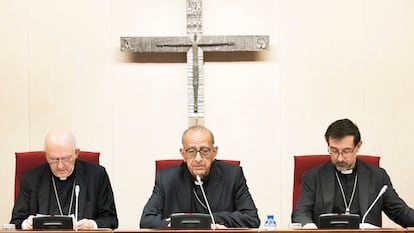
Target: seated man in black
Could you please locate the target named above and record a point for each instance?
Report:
(225, 186)
(348, 185)
(49, 188)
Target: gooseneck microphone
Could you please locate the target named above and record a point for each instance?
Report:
(382, 191)
(200, 183)
(77, 190)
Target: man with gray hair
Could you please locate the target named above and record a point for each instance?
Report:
(49, 188)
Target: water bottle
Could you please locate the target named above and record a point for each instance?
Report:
(270, 223)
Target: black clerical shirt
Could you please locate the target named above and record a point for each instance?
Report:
(198, 203)
(65, 192)
(347, 181)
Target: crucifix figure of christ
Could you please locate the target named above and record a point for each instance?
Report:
(194, 44)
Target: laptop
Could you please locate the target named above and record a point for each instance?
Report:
(190, 220)
(339, 221)
(52, 222)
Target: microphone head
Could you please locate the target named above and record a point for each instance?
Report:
(77, 189)
(384, 189)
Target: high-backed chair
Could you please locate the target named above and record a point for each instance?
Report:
(303, 163)
(163, 163)
(28, 160)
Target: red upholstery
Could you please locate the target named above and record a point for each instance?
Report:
(160, 164)
(305, 162)
(28, 160)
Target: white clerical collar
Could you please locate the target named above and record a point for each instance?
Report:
(65, 178)
(347, 172)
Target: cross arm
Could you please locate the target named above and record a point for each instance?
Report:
(234, 43)
(207, 43)
(155, 44)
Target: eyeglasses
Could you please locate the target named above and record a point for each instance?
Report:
(204, 152)
(335, 152)
(63, 159)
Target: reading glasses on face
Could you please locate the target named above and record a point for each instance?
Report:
(204, 152)
(335, 152)
(63, 160)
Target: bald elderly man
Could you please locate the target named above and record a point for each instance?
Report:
(49, 188)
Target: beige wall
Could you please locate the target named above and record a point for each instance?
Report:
(60, 65)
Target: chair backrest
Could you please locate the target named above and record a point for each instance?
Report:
(163, 163)
(28, 160)
(303, 163)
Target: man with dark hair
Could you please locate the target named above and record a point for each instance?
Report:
(341, 128)
(225, 186)
(348, 185)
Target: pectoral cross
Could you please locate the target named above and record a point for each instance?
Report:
(195, 44)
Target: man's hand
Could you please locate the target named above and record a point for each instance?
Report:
(310, 226)
(218, 226)
(27, 224)
(86, 224)
(168, 221)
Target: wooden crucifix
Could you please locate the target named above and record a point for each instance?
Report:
(194, 44)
